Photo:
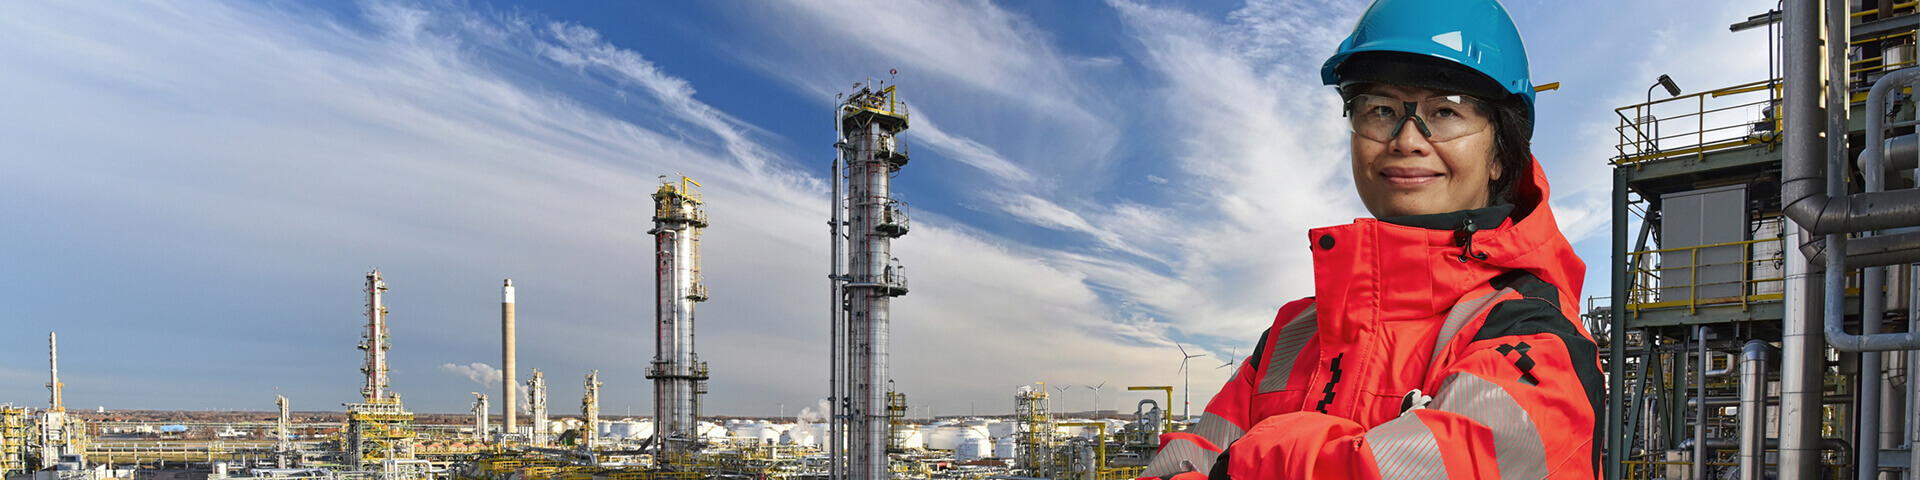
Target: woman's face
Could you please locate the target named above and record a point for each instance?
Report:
(1410, 174)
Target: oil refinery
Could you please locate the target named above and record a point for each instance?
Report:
(864, 434)
(1761, 321)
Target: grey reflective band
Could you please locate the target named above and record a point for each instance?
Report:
(1286, 348)
(1404, 448)
(1458, 317)
(1516, 441)
(1218, 430)
(1180, 456)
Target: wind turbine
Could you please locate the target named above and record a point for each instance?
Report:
(1063, 398)
(1233, 357)
(1096, 397)
(1186, 400)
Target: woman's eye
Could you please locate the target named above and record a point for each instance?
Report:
(1381, 111)
(1444, 113)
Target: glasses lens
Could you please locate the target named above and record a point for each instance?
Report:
(1375, 117)
(1453, 116)
(1445, 117)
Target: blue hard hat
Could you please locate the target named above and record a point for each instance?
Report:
(1426, 42)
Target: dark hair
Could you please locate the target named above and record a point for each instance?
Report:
(1512, 147)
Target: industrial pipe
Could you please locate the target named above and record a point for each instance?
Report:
(836, 378)
(1825, 213)
(1700, 411)
(1733, 364)
(1804, 205)
(1716, 443)
(1753, 412)
(1878, 250)
(1734, 401)
(1874, 174)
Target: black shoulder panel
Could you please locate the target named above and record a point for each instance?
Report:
(1260, 348)
(1538, 311)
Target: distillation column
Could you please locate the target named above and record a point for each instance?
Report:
(868, 121)
(537, 405)
(508, 383)
(480, 410)
(283, 447)
(54, 439)
(677, 373)
(590, 408)
(379, 429)
(376, 340)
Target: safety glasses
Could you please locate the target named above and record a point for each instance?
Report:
(1440, 118)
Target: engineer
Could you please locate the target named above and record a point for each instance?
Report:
(1442, 339)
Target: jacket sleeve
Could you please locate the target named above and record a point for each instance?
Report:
(1516, 401)
(1192, 453)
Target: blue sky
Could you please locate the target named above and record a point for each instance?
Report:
(194, 188)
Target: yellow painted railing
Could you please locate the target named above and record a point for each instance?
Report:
(1671, 268)
(1697, 123)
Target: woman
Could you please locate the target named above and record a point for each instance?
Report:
(1441, 340)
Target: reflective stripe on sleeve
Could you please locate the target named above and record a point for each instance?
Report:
(1180, 456)
(1218, 430)
(1404, 448)
(1516, 440)
(1291, 339)
(1458, 317)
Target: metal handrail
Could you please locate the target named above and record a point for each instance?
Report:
(1649, 280)
(1637, 140)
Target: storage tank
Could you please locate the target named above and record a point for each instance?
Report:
(942, 437)
(910, 437)
(712, 431)
(1006, 448)
(973, 446)
(999, 429)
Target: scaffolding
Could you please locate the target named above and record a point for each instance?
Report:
(1033, 432)
(377, 433)
(13, 440)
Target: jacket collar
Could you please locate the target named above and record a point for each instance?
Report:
(1400, 269)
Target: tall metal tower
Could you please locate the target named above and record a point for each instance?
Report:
(590, 408)
(869, 155)
(376, 340)
(537, 403)
(379, 431)
(480, 410)
(283, 450)
(57, 430)
(679, 377)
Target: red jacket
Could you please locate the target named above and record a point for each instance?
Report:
(1426, 351)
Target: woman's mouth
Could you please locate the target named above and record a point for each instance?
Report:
(1409, 177)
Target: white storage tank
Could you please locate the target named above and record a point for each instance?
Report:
(999, 429)
(972, 445)
(942, 437)
(1005, 448)
(909, 436)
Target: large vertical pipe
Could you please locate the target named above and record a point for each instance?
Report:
(376, 342)
(836, 379)
(1801, 360)
(507, 368)
(1700, 406)
(54, 402)
(1753, 409)
(1617, 333)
